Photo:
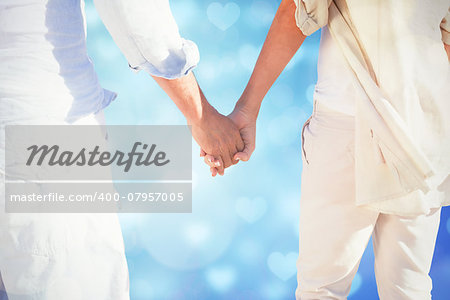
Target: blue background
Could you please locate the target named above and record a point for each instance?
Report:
(240, 242)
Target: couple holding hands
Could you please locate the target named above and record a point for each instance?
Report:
(375, 150)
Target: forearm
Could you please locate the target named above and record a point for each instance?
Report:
(282, 42)
(187, 95)
(216, 134)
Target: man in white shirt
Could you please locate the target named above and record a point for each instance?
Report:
(376, 149)
(47, 77)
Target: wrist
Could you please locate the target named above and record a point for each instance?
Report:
(200, 114)
(248, 106)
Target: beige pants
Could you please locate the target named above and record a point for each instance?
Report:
(334, 232)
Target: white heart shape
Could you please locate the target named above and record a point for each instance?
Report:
(283, 266)
(223, 16)
(251, 210)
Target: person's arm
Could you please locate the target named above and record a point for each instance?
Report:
(215, 133)
(282, 42)
(293, 21)
(187, 96)
(147, 34)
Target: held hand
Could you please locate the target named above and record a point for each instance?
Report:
(282, 42)
(246, 123)
(218, 136)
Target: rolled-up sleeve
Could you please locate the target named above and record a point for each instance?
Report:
(147, 34)
(311, 15)
(445, 28)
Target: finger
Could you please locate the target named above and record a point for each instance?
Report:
(239, 146)
(216, 162)
(220, 169)
(233, 156)
(227, 158)
(233, 159)
(213, 172)
(210, 160)
(202, 153)
(245, 154)
(232, 153)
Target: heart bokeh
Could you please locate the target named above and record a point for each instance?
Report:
(223, 16)
(283, 266)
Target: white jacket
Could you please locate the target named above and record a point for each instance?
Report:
(395, 50)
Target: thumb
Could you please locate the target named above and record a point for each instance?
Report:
(245, 154)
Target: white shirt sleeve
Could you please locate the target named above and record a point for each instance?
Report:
(311, 15)
(147, 34)
(445, 28)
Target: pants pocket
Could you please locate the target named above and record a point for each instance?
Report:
(305, 157)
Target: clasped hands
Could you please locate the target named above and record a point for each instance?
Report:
(225, 140)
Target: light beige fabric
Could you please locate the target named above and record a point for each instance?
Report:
(54, 256)
(334, 232)
(311, 16)
(402, 141)
(445, 28)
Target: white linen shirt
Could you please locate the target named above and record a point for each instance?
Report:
(395, 51)
(44, 65)
(148, 36)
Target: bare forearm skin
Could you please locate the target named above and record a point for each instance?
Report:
(282, 42)
(187, 95)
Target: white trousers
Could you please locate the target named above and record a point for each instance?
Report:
(334, 232)
(57, 256)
